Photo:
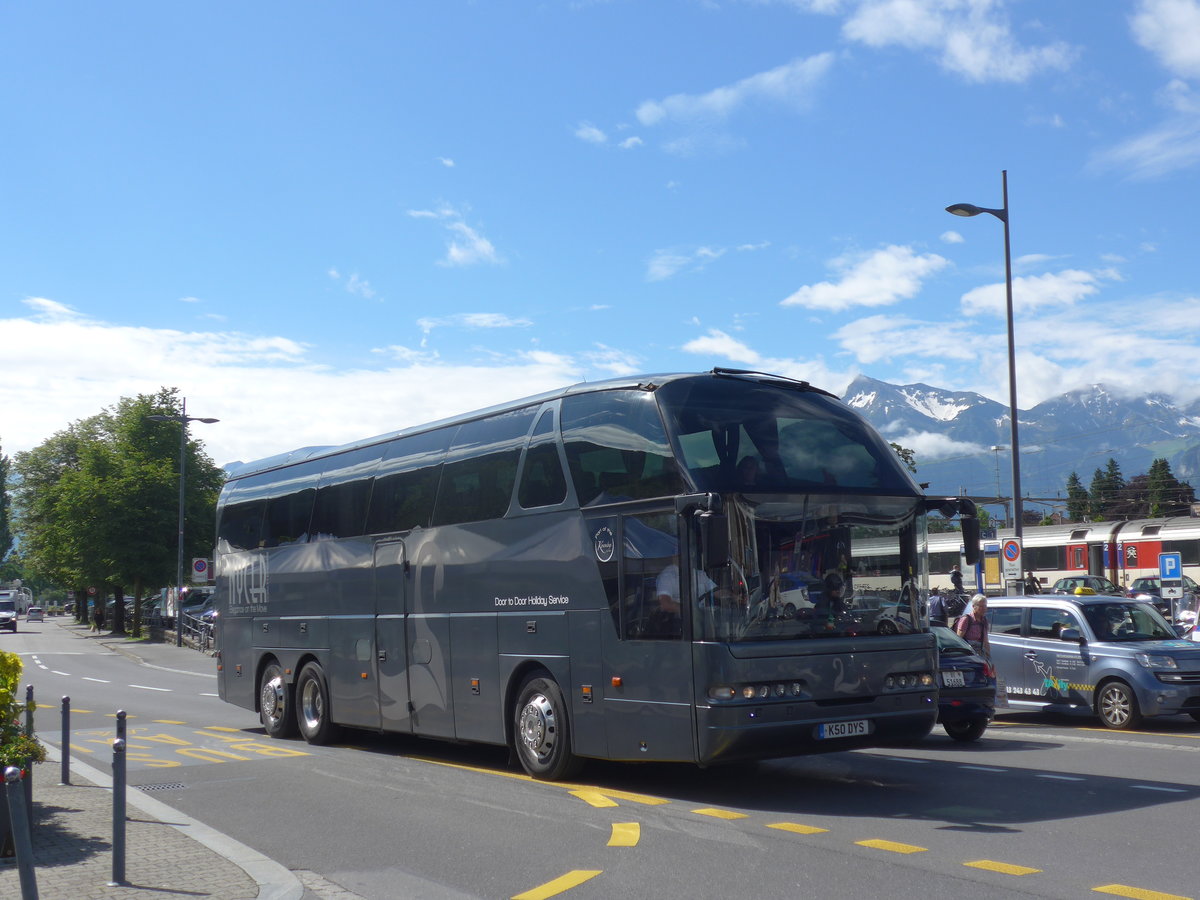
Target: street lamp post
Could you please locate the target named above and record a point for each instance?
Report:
(183, 418)
(967, 209)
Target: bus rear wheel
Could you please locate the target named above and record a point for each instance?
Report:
(541, 733)
(312, 706)
(275, 709)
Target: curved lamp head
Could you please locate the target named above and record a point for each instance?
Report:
(970, 209)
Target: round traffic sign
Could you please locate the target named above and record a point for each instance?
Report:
(1012, 551)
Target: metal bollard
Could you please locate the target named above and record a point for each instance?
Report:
(28, 782)
(18, 814)
(118, 819)
(66, 741)
(121, 724)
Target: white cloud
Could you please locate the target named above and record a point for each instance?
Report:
(590, 134)
(881, 278)
(472, 321)
(466, 246)
(446, 161)
(1065, 288)
(971, 38)
(630, 143)
(791, 84)
(1170, 30)
(665, 264)
(952, 237)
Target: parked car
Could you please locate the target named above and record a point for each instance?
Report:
(8, 615)
(967, 687)
(1150, 588)
(35, 614)
(1097, 583)
(1115, 658)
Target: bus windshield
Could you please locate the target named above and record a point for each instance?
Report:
(812, 567)
(731, 435)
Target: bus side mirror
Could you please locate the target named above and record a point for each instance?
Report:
(714, 539)
(970, 533)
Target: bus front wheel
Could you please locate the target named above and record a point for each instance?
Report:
(541, 734)
(312, 706)
(275, 708)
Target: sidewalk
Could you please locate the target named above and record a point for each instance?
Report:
(167, 853)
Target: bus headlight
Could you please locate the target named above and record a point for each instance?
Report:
(720, 692)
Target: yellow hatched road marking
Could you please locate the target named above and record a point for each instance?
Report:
(644, 799)
(1005, 868)
(625, 834)
(167, 722)
(558, 885)
(719, 813)
(891, 846)
(1124, 890)
(797, 828)
(594, 798)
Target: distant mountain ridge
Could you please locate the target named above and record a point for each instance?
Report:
(961, 439)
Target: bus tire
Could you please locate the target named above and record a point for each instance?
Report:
(275, 709)
(312, 706)
(541, 731)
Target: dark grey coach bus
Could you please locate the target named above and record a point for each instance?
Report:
(512, 577)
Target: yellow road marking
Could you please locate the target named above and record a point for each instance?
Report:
(167, 722)
(719, 813)
(1005, 868)
(594, 798)
(892, 846)
(558, 885)
(644, 799)
(625, 834)
(1124, 890)
(797, 828)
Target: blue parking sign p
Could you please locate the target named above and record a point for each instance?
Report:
(1170, 566)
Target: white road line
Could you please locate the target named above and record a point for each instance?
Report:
(146, 687)
(100, 680)
(210, 695)
(56, 672)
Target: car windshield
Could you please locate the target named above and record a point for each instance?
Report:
(1128, 622)
(8, 606)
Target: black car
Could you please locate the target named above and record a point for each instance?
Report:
(966, 687)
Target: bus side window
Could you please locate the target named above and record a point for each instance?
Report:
(542, 481)
(651, 598)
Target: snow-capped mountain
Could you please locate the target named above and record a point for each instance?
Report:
(961, 439)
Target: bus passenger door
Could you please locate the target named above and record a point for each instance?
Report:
(391, 637)
(647, 663)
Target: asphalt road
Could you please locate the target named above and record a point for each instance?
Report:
(1041, 807)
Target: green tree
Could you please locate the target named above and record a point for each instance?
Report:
(1078, 502)
(1165, 494)
(6, 537)
(99, 502)
(1107, 494)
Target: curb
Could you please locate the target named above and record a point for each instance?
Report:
(275, 881)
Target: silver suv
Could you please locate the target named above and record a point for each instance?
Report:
(8, 615)
(1113, 657)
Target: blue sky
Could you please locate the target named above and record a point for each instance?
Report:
(326, 221)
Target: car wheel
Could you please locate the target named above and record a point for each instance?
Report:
(1195, 715)
(275, 708)
(966, 730)
(1117, 706)
(312, 706)
(541, 732)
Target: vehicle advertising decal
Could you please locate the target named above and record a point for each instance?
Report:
(537, 600)
(1051, 683)
(606, 544)
(246, 575)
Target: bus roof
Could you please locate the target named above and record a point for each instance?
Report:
(236, 470)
